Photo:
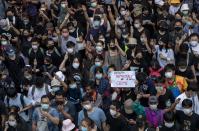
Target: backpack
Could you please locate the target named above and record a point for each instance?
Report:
(33, 90)
(21, 100)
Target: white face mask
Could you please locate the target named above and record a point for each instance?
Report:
(99, 48)
(75, 65)
(123, 12)
(168, 74)
(194, 43)
(34, 47)
(98, 64)
(137, 25)
(187, 111)
(80, 46)
(113, 112)
(98, 76)
(153, 107)
(70, 50)
(4, 42)
(73, 86)
(87, 106)
(12, 123)
(169, 124)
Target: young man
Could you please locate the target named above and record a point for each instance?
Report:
(94, 113)
(45, 117)
(116, 120)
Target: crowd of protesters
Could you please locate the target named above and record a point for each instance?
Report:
(57, 58)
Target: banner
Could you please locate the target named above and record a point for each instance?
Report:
(123, 79)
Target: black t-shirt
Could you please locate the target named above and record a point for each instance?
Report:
(129, 116)
(187, 123)
(165, 100)
(118, 124)
(173, 128)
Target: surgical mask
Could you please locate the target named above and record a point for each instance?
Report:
(80, 46)
(84, 129)
(73, 86)
(182, 70)
(153, 107)
(55, 89)
(25, 21)
(75, 65)
(34, 47)
(29, 77)
(120, 22)
(70, 50)
(96, 23)
(63, 5)
(93, 4)
(44, 106)
(98, 64)
(185, 12)
(168, 74)
(187, 111)
(102, 39)
(123, 12)
(12, 123)
(98, 76)
(87, 106)
(99, 48)
(193, 43)
(169, 124)
(113, 112)
(137, 25)
(4, 42)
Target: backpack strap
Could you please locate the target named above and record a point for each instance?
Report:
(57, 52)
(7, 101)
(85, 113)
(46, 89)
(33, 91)
(22, 100)
(42, 51)
(59, 40)
(29, 51)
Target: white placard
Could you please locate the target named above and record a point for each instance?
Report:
(124, 79)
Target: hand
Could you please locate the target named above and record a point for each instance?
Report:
(35, 62)
(66, 56)
(127, 65)
(109, 9)
(6, 125)
(84, 8)
(194, 16)
(177, 101)
(44, 113)
(60, 108)
(116, 43)
(57, 77)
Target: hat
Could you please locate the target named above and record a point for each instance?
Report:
(60, 75)
(5, 24)
(153, 99)
(184, 7)
(55, 82)
(49, 25)
(68, 125)
(132, 41)
(128, 106)
(159, 2)
(174, 1)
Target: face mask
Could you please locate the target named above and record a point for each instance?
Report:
(44, 106)
(4, 42)
(73, 86)
(75, 65)
(168, 74)
(120, 22)
(12, 123)
(124, 36)
(137, 25)
(162, 29)
(10, 18)
(159, 88)
(142, 39)
(185, 12)
(50, 47)
(87, 107)
(25, 21)
(70, 50)
(187, 111)
(169, 124)
(194, 43)
(99, 48)
(55, 89)
(102, 39)
(153, 107)
(34, 47)
(98, 76)
(84, 129)
(96, 23)
(29, 77)
(130, 46)
(80, 46)
(98, 64)
(113, 112)
(93, 4)
(72, 30)
(182, 70)
(189, 23)
(178, 28)
(113, 48)
(63, 5)
(123, 12)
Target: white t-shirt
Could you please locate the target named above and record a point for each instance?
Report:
(38, 93)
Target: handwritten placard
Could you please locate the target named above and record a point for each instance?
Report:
(124, 79)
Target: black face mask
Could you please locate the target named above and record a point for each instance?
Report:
(10, 18)
(113, 48)
(139, 60)
(162, 29)
(50, 47)
(60, 102)
(178, 28)
(139, 123)
(47, 64)
(130, 46)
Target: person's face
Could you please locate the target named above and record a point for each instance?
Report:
(194, 38)
(88, 90)
(85, 124)
(9, 13)
(45, 101)
(35, 44)
(76, 61)
(11, 118)
(59, 98)
(65, 33)
(112, 107)
(189, 93)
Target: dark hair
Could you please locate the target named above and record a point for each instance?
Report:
(48, 59)
(111, 66)
(64, 27)
(193, 35)
(34, 39)
(70, 44)
(184, 47)
(169, 67)
(192, 86)
(98, 69)
(39, 81)
(100, 57)
(155, 63)
(141, 77)
(186, 103)
(90, 84)
(90, 122)
(59, 93)
(159, 80)
(87, 98)
(16, 116)
(169, 116)
(116, 104)
(44, 97)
